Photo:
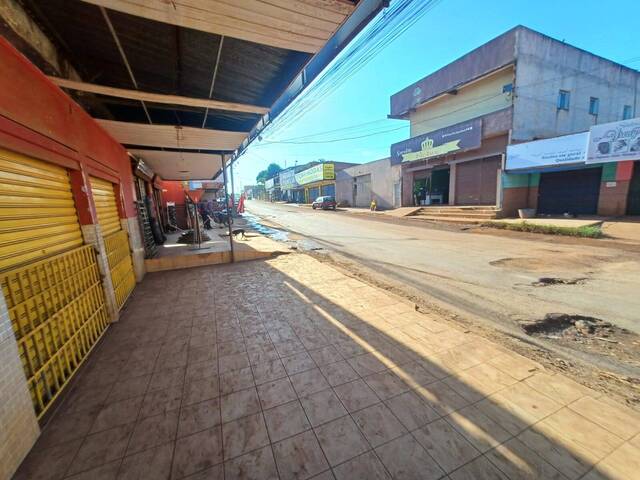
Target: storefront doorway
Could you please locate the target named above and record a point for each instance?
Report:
(477, 181)
(633, 200)
(433, 187)
(572, 191)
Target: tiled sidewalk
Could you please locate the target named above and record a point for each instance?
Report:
(288, 369)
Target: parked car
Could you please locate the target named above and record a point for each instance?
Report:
(325, 203)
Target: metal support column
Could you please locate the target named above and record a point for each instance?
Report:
(226, 199)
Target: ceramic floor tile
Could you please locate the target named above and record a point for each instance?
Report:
(286, 420)
(560, 388)
(378, 424)
(299, 362)
(236, 380)
(447, 447)
(322, 407)
(356, 395)
(516, 460)
(299, 457)
(195, 371)
(441, 397)
(366, 466)
(386, 384)
(128, 388)
(622, 464)
(101, 448)
(160, 401)
(256, 465)
(153, 431)
(411, 410)
(154, 463)
(229, 363)
(568, 458)
(276, 393)
(478, 469)
(480, 430)
(163, 379)
(199, 416)
(48, 463)
(405, 458)
(615, 418)
(243, 435)
(414, 375)
(108, 471)
(117, 413)
(197, 452)
(200, 390)
(311, 381)
(341, 440)
(268, 371)
(325, 355)
(64, 427)
(239, 404)
(339, 373)
(366, 364)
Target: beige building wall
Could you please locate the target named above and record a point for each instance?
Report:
(18, 425)
(474, 100)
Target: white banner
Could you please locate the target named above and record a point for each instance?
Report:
(616, 141)
(551, 151)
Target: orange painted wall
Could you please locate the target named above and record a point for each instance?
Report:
(40, 120)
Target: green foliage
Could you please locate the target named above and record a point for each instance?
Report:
(272, 170)
(593, 231)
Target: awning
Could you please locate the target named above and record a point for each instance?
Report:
(199, 76)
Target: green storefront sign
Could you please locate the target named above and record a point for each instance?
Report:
(324, 171)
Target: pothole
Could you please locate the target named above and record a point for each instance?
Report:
(588, 334)
(546, 281)
(559, 323)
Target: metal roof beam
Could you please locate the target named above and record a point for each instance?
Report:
(157, 97)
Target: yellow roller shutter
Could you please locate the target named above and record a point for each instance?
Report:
(116, 240)
(104, 198)
(37, 212)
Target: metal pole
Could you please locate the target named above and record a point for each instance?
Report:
(224, 178)
(233, 196)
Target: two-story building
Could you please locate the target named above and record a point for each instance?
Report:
(520, 86)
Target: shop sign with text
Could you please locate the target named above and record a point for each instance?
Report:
(317, 173)
(288, 179)
(548, 152)
(456, 138)
(613, 142)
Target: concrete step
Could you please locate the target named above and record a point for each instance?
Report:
(459, 220)
(458, 214)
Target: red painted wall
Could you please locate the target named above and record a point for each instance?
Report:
(40, 120)
(172, 191)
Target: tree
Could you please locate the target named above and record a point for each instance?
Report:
(261, 177)
(272, 170)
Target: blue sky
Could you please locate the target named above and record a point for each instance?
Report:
(446, 32)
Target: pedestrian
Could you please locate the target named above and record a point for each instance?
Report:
(374, 206)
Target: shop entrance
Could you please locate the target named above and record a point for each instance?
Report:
(572, 191)
(633, 200)
(432, 189)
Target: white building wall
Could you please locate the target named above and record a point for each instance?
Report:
(544, 67)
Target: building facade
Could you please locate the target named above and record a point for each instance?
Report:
(318, 180)
(379, 180)
(519, 87)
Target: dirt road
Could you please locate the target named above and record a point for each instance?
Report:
(500, 281)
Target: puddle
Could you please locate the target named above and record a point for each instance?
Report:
(546, 281)
(272, 233)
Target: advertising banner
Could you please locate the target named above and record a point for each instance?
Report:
(288, 179)
(323, 171)
(613, 142)
(456, 138)
(551, 151)
(268, 184)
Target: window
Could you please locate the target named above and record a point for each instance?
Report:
(626, 112)
(594, 105)
(563, 100)
(508, 88)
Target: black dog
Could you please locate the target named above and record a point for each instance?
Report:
(238, 231)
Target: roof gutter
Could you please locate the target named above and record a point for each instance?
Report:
(359, 18)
